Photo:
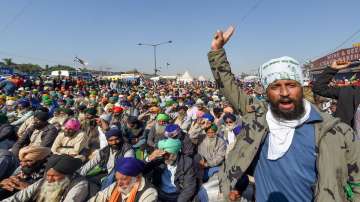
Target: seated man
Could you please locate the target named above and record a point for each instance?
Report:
(71, 140)
(157, 130)
(7, 133)
(32, 168)
(23, 112)
(171, 172)
(104, 159)
(174, 131)
(134, 134)
(41, 133)
(212, 152)
(117, 116)
(60, 183)
(130, 185)
(61, 115)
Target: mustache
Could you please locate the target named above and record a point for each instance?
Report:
(285, 99)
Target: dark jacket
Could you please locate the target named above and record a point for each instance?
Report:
(7, 131)
(348, 97)
(184, 177)
(48, 136)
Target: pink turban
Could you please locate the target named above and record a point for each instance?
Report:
(73, 124)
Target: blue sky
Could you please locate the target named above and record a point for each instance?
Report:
(105, 33)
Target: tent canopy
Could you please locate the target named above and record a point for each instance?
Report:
(186, 77)
(202, 78)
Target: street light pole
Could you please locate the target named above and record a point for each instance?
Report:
(156, 70)
(155, 66)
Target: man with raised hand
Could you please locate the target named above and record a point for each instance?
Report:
(297, 152)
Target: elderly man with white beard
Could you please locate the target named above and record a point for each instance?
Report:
(130, 185)
(59, 184)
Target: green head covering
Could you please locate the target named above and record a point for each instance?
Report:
(93, 92)
(48, 102)
(35, 91)
(3, 118)
(91, 111)
(162, 117)
(170, 145)
(213, 127)
(169, 103)
(45, 97)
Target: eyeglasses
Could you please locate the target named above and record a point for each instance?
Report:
(229, 122)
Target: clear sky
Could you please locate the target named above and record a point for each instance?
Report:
(105, 32)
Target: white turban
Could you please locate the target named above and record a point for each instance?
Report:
(284, 68)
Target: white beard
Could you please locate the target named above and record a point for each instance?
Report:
(53, 191)
(126, 191)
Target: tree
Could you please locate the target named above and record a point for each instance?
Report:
(8, 61)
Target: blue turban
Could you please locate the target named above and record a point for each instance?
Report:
(172, 130)
(113, 132)
(209, 117)
(129, 166)
(24, 103)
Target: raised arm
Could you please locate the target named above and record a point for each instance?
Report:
(223, 76)
(321, 85)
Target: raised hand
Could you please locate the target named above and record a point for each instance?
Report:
(221, 38)
(340, 65)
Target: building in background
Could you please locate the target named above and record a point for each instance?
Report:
(346, 54)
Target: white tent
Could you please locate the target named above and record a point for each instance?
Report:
(157, 78)
(202, 78)
(186, 77)
(60, 73)
(251, 78)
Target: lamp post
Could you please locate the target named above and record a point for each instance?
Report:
(156, 70)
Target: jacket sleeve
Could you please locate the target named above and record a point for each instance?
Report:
(7, 132)
(22, 119)
(321, 85)
(220, 154)
(56, 145)
(24, 140)
(150, 195)
(90, 164)
(353, 161)
(25, 194)
(225, 81)
(189, 188)
(48, 139)
(151, 137)
(78, 193)
(80, 144)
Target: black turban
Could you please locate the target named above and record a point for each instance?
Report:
(64, 164)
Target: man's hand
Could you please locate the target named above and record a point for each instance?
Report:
(221, 38)
(338, 65)
(202, 163)
(234, 195)
(20, 185)
(156, 154)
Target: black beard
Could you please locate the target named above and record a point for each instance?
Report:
(28, 170)
(39, 126)
(297, 113)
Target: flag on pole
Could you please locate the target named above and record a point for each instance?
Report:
(83, 62)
